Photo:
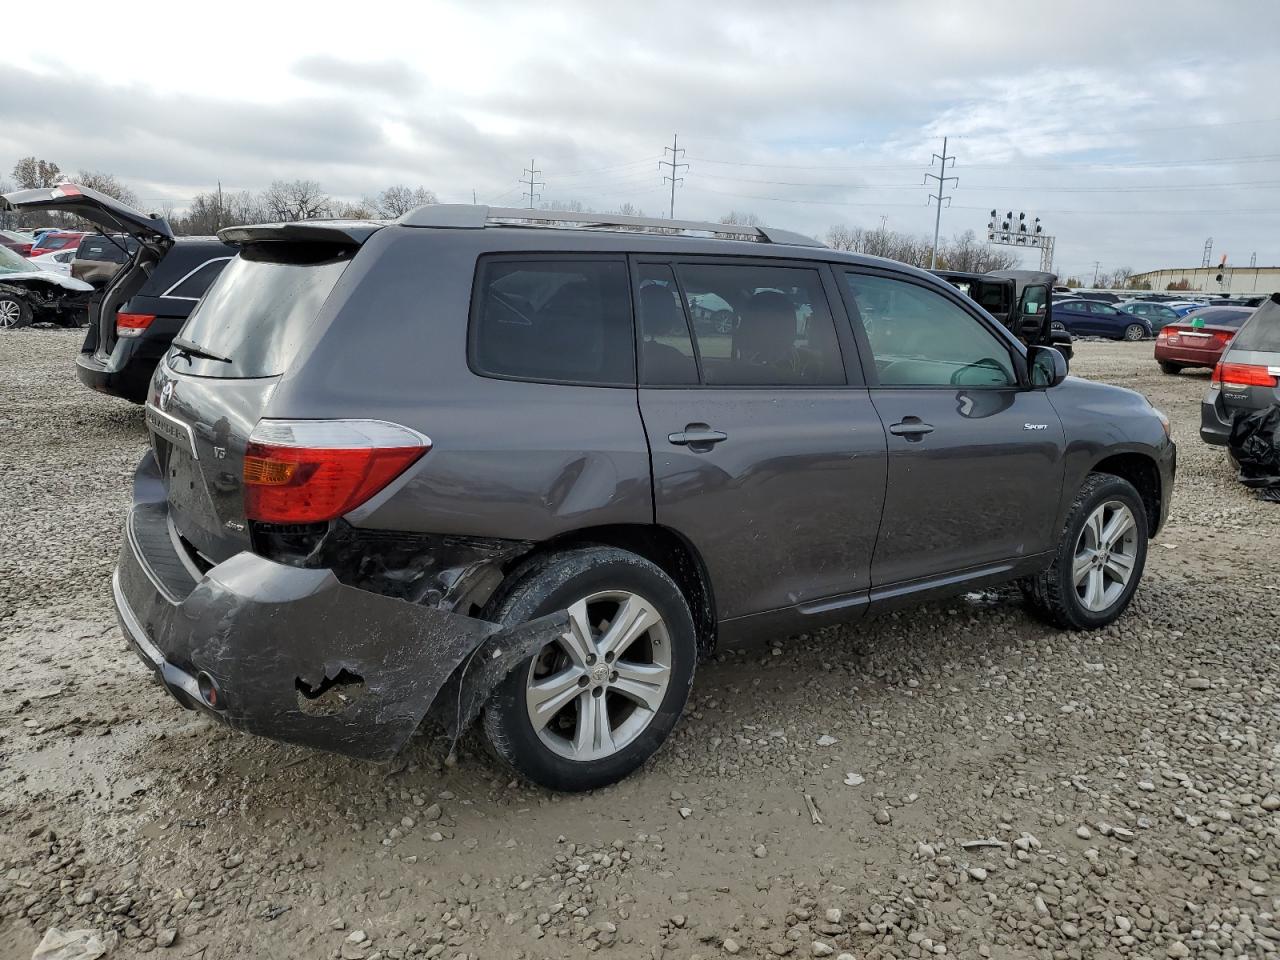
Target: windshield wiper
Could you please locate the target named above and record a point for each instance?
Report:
(190, 349)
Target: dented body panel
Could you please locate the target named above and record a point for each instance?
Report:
(292, 653)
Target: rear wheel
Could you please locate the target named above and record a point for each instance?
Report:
(1135, 331)
(591, 707)
(1099, 559)
(15, 311)
(1170, 368)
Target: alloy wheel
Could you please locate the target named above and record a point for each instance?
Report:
(1134, 331)
(1105, 556)
(10, 313)
(599, 685)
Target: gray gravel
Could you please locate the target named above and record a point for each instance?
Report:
(987, 787)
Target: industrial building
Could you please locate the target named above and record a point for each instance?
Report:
(1204, 279)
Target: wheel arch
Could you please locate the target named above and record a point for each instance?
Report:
(663, 547)
(1142, 471)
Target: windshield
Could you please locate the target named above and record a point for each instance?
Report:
(260, 310)
(11, 262)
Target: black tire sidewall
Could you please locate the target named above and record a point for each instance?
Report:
(552, 585)
(25, 314)
(1110, 488)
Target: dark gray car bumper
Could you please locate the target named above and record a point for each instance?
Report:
(1215, 421)
(295, 655)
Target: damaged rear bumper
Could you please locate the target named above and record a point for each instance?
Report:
(295, 655)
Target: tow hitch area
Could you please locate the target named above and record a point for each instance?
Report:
(295, 655)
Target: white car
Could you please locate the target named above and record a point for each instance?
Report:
(59, 262)
(31, 295)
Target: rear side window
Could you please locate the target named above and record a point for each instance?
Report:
(260, 309)
(1221, 318)
(761, 326)
(193, 286)
(666, 349)
(1262, 331)
(563, 320)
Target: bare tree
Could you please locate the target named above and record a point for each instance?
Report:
(741, 218)
(360, 210)
(963, 252)
(108, 184)
(396, 201)
(31, 173)
(288, 200)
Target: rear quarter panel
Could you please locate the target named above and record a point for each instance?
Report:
(510, 459)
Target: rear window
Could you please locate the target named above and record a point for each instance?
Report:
(1220, 317)
(563, 320)
(54, 243)
(102, 248)
(193, 286)
(1262, 332)
(261, 308)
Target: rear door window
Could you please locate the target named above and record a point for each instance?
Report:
(761, 325)
(667, 357)
(554, 319)
(261, 309)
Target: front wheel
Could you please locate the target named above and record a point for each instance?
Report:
(590, 708)
(1135, 331)
(1099, 559)
(15, 311)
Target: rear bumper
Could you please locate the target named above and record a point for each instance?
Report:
(295, 655)
(1188, 356)
(1215, 422)
(126, 373)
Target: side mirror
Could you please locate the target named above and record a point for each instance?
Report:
(1047, 367)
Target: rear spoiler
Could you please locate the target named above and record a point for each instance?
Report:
(348, 232)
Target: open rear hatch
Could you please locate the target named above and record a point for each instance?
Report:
(213, 388)
(153, 233)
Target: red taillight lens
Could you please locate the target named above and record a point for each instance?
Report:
(1244, 375)
(132, 324)
(304, 471)
(1223, 337)
(1164, 333)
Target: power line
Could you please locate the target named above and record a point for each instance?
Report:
(996, 165)
(674, 163)
(532, 172)
(942, 178)
(993, 186)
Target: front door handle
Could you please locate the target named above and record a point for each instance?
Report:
(913, 428)
(697, 437)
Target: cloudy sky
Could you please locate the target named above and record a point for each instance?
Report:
(1134, 130)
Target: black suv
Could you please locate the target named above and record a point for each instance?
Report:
(149, 280)
(477, 463)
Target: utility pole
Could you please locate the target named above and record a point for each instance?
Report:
(1096, 265)
(532, 183)
(1253, 259)
(217, 217)
(942, 178)
(674, 163)
(884, 220)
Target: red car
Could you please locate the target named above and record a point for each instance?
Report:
(19, 244)
(55, 241)
(1198, 339)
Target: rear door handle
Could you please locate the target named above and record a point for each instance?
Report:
(697, 436)
(913, 428)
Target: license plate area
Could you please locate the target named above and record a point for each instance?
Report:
(169, 429)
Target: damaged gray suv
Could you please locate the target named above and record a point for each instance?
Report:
(530, 467)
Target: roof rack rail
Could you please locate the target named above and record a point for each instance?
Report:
(467, 216)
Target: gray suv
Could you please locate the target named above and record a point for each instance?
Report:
(530, 467)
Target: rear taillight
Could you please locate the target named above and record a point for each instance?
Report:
(132, 324)
(1243, 375)
(1223, 337)
(1164, 333)
(304, 471)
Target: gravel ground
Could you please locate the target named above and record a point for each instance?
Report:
(986, 786)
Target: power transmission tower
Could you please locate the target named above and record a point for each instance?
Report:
(1096, 265)
(532, 183)
(1253, 259)
(1208, 252)
(674, 163)
(884, 220)
(939, 197)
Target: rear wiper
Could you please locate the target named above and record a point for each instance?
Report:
(190, 349)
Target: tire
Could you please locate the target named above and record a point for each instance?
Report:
(1055, 594)
(15, 311)
(1134, 332)
(1170, 368)
(554, 753)
(1058, 325)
